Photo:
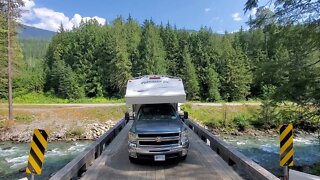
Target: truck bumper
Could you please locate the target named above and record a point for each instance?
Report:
(149, 152)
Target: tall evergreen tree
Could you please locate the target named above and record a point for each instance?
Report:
(120, 65)
(11, 12)
(188, 75)
(152, 53)
(133, 35)
(171, 45)
(204, 57)
(234, 72)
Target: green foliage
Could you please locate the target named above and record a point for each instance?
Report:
(272, 62)
(315, 169)
(171, 45)
(235, 74)
(152, 53)
(241, 122)
(230, 117)
(37, 98)
(23, 118)
(188, 75)
(40, 98)
(288, 12)
(76, 131)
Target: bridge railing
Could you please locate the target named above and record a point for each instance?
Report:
(230, 154)
(80, 164)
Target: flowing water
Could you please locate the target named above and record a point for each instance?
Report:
(265, 150)
(14, 157)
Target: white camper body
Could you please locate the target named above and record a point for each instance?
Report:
(154, 89)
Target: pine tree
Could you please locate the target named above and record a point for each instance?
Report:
(120, 65)
(204, 60)
(11, 12)
(152, 54)
(188, 75)
(133, 35)
(171, 45)
(3, 59)
(234, 72)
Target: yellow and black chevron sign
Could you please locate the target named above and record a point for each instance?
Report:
(286, 145)
(38, 147)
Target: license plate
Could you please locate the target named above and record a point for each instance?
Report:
(159, 157)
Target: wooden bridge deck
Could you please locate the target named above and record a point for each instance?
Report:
(201, 163)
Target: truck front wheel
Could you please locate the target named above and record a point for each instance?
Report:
(183, 157)
(132, 160)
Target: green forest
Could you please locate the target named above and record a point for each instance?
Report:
(95, 60)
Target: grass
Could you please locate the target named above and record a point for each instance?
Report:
(24, 118)
(26, 114)
(40, 98)
(6, 124)
(225, 102)
(104, 113)
(239, 117)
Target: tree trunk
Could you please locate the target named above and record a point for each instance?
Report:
(9, 51)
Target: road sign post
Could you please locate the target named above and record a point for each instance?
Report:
(36, 155)
(286, 149)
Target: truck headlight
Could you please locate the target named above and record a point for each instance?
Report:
(184, 136)
(132, 137)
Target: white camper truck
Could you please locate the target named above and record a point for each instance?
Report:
(158, 132)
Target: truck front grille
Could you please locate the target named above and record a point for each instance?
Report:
(157, 135)
(155, 143)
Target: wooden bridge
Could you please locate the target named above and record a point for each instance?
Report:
(208, 158)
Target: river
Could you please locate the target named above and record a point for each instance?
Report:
(14, 156)
(263, 150)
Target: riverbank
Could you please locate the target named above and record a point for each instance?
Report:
(70, 122)
(64, 123)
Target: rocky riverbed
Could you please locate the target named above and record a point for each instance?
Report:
(57, 131)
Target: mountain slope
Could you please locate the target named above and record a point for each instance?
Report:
(28, 32)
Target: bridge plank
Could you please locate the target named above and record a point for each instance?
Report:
(201, 163)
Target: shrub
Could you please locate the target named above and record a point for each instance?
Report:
(241, 122)
(6, 124)
(77, 131)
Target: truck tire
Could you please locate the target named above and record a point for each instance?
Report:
(132, 160)
(183, 157)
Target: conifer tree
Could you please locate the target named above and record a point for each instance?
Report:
(188, 75)
(152, 53)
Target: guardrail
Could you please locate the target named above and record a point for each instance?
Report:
(230, 154)
(80, 164)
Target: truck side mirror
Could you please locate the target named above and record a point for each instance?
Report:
(185, 115)
(127, 116)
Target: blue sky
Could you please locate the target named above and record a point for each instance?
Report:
(226, 15)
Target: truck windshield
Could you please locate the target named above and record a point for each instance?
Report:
(157, 112)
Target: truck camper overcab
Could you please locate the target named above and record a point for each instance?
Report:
(157, 132)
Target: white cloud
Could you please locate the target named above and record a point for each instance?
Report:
(207, 9)
(26, 11)
(253, 12)
(28, 4)
(49, 19)
(236, 17)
